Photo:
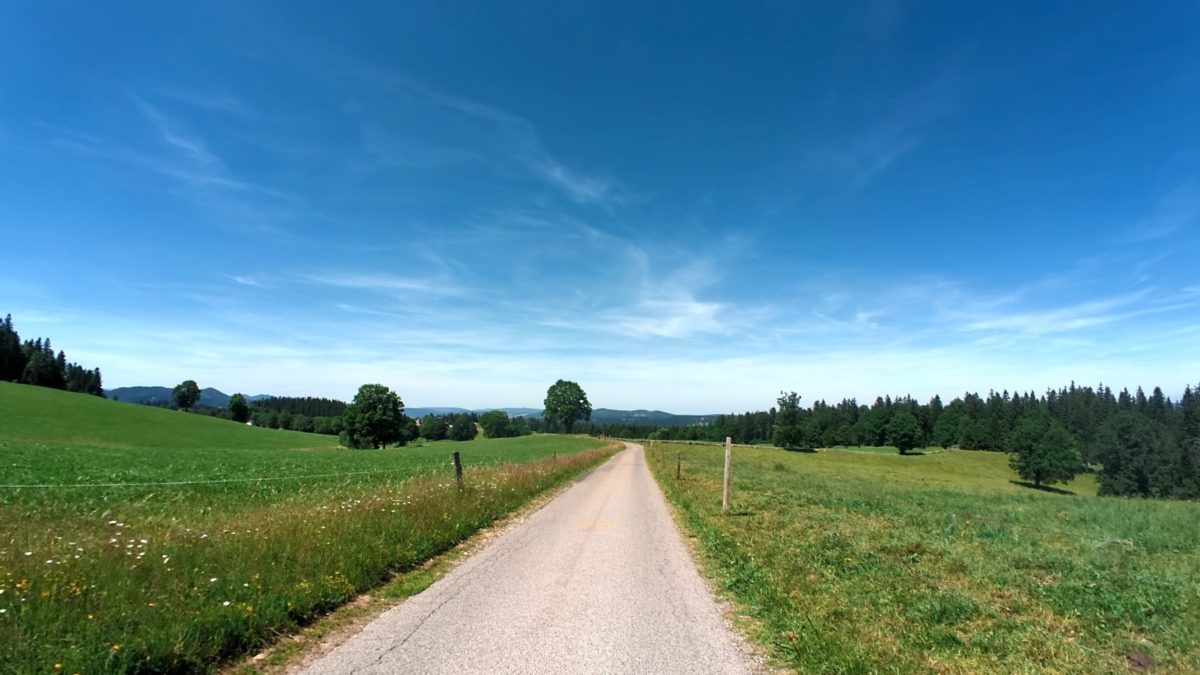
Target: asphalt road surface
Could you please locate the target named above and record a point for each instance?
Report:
(597, 581)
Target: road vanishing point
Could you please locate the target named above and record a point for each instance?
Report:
(597, 581)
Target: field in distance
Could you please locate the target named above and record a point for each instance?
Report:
(865, 562)
(149, 540)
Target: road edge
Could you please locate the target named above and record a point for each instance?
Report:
(739, 624)
(292, 653)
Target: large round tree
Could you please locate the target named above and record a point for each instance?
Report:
(566, 402)
(185, 394)
(374, 418)
(904, 432)
(1043, 451)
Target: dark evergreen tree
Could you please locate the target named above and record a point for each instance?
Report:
(1189, 445)
(948, 428)
(239, 411)
(1139, 457)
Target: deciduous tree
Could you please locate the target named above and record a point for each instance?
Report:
(788, 433)
(567, 403)
(904, 431)
(1043, 451)
(496, 424)
(463, 428)
(186, 394)
(374, 418)
(434, 428)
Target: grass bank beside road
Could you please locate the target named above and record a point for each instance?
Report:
(860, 562)
(148, 540)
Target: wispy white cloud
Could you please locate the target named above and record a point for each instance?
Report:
(512, 139)
(902, 126)
(387, 283)
(1179, 208)
(179, 154)
(212, 100)
(580, 188)
(1063, 319)
(191, 147)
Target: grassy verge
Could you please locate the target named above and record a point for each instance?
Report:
(860, 562)
(128, 598)
(164, 542)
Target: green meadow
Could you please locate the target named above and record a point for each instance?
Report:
(851, 561)
(137, 539)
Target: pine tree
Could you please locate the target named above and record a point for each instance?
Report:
(1189, 445)
(238, 410)
(1139, 457)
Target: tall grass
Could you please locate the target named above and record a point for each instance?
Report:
(251, 539)
(858, 562)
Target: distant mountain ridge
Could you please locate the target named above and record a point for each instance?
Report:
(656, 418)
(209, 397)
(451, 410)
(214, 398)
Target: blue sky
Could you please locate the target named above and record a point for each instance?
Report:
(680, 206)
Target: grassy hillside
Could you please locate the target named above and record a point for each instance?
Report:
(50, 416)
(863, 562)
(141, 539)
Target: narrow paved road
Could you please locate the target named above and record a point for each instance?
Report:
(597, 581)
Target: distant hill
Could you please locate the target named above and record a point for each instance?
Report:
(209, 397)
(655, 418)
(512, 412)
(84, 423)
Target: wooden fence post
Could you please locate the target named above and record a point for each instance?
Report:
(678, 464)
(725, 495)
(458, 471)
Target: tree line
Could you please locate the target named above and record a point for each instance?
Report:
(1147, 445)
(376, 419)
(35, 362)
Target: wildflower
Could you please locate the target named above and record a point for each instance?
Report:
(3, 611)
(58, 666)
(225, 604)
(116, 647)
(28, 553)
(212, 580)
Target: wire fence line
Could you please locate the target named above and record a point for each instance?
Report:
(199, 482)
(415, 471)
